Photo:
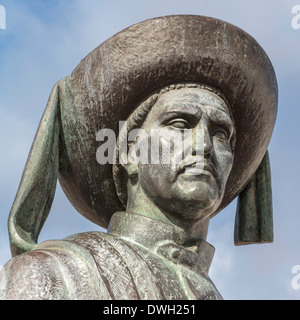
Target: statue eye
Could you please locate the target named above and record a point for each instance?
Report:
(221, 134)
(179, 124)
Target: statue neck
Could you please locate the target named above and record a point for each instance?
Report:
(164, 239)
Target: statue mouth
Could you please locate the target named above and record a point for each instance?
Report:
(197, 167)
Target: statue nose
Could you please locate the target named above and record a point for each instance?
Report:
(202, 143)
(207, 144)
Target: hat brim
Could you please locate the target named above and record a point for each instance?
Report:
(114, 78)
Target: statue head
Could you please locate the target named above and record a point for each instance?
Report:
(193, 77)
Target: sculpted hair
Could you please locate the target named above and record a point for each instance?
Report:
(136, 120)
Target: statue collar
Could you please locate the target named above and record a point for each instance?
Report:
(163, 239)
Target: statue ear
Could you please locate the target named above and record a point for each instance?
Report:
(37, 187)
(254, 216)
(129, 162)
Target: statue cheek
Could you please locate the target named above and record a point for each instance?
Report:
(154, 178)
(224, 163)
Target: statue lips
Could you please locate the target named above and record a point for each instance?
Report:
(197, 166)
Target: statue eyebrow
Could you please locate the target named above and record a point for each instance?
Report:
(225, 116)
(226, 120)
(183, 108)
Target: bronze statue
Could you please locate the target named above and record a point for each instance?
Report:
(206, 92)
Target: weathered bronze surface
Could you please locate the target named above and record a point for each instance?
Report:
(168, 75)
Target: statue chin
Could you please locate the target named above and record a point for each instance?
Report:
(197, 208)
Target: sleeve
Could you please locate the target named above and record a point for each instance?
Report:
(31, 276)
(57, 270)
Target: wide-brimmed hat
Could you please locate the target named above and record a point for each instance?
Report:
(109, 84)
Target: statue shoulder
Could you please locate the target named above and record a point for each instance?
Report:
(56, 269)
(31, 276)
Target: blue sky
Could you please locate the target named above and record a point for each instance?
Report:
(45, 40)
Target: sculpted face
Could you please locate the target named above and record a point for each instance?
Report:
(192, 183)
